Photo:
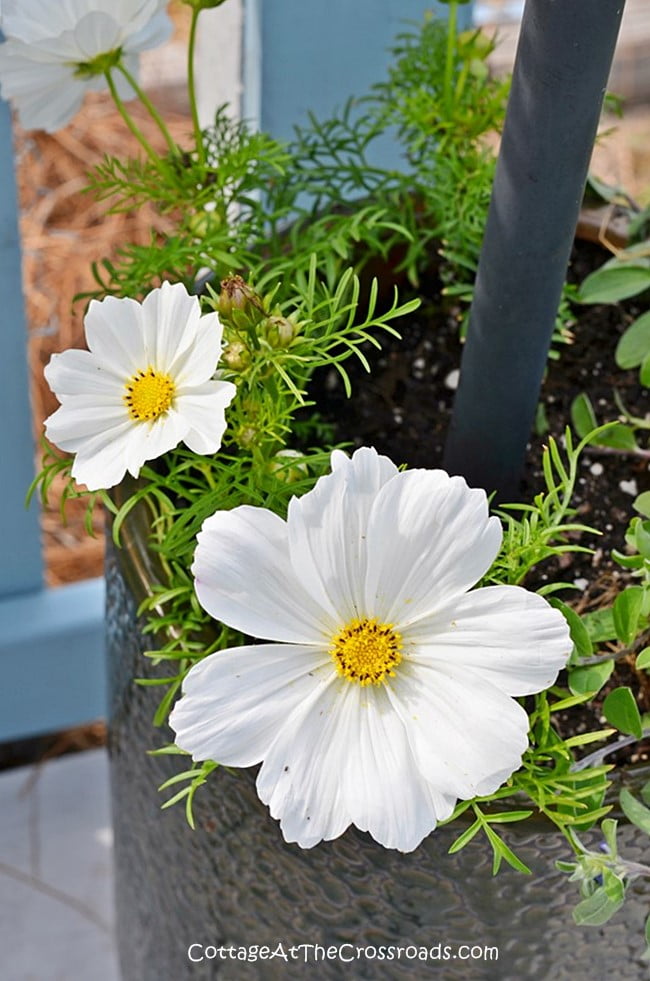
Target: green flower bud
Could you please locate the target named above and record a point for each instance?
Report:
(280, 466)
(203, 222)
(236, 356)
(238, 301)
(247, 436)
(280, 331)
(202, 4)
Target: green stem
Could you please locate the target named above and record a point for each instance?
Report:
(139, 135)
(191, 88)
(450, 55)
(149, 106)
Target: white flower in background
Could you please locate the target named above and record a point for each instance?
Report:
(56, 50)
(386, 694)
(144, 386)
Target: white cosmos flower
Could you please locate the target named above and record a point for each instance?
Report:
(144, 386)
(387, 693)
(55, 51)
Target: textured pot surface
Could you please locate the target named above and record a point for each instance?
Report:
(235, 882)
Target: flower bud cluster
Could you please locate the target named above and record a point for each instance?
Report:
(256, 326)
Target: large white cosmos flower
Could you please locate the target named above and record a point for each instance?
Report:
(145, 385)
(56, 50)
(387, 693)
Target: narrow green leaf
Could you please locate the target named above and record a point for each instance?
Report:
(508, 817)
(588, 819)
(568, 702)
(175, 799)
(170, 750)
(620, 710)
(179, 777)
(585, 738)
(501, 851)
(465, 837)
(628, 562)
(635, 811)
(577, 629)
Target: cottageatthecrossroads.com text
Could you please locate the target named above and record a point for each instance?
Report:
(346, 952)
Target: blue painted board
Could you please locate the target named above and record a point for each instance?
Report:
(20, 551)
(52, 660)
(312, 55)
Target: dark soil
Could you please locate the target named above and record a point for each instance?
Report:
(403, 408)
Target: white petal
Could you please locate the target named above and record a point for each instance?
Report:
(77, 372)
(385, 793)
(300, 778)
(46, 40)
(156, 32)
(511, 637)
(37, 19)
(244, 578)
(100, 463)
(149, 440)
(45, 95)
(31, 19)
(466, 735)
(203, 408)
(195, 363)
(429, 538)
(95, 33)
(82, 418)
(327, 530)
(115, 336)
(170, 321)
(235, 701)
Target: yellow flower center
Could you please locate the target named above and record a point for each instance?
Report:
(148, 394)
(367, 651)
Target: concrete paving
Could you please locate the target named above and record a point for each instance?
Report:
(56, 887)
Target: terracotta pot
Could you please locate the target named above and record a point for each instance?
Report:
(234, 882)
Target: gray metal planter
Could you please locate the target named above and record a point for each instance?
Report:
(234, 882)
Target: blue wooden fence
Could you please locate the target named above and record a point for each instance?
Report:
(51, 641)
(312, 55)
(299, 55)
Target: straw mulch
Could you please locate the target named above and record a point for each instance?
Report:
(63, 231)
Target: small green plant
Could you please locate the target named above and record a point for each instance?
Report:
(624, 276)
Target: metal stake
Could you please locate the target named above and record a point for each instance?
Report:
(563, 61)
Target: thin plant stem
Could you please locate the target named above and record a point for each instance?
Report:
(149, 106)
(191, 88)
(450, 53)
(139, 135)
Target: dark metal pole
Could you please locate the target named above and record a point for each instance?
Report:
(561, 69)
